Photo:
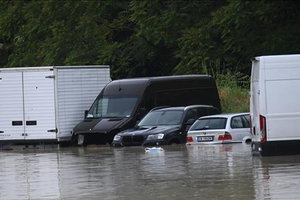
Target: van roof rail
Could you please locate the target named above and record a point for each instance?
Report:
(159, 107)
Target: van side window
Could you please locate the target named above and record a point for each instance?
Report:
(169, 98)
(186, 96)
(148, 102)
(236, 122)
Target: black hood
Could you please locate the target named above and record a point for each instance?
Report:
(101, 125)
(150, 130)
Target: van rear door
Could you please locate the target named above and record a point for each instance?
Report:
(254, 100)
(282, 81)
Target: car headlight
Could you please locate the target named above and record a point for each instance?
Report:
(117, 138)
(156, 137)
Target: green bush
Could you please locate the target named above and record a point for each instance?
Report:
(234, 99)
(233, 86)
(233, 91)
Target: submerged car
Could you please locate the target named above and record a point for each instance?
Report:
(163, 126)
(219, 129)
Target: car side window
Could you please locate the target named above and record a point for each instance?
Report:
(246, 119)
(213, 111)
(191, 114)
(201, 112)
(236, 122)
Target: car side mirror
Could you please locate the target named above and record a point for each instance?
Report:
(85, 113)
(136, 123)
(190, 121)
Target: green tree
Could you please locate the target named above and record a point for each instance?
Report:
(239, 31)
(137, 38)
(147, 38)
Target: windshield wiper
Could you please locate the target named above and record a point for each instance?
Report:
(145, 127)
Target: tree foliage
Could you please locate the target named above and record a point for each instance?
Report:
(147, 38)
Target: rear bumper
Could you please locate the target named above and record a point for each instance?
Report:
(214, 142)
(276, 148)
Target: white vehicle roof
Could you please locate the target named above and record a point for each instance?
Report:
(225, 115)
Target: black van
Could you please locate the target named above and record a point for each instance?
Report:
(123, 102)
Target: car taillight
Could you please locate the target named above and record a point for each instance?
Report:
(263, 128)
(189, 139)
(226, 136)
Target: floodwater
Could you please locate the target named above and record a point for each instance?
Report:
(179, 172)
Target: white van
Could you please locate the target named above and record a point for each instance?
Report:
(275, 105)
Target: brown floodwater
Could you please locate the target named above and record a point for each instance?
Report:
(179, 172)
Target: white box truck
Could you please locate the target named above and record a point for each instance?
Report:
(39, 104)
(275, 105)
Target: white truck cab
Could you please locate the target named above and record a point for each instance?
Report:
(275, 105)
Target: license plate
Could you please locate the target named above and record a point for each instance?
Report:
(80, 139)
(205, 138)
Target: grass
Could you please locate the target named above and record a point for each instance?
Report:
(233, 91)
(233, 86)
(234, 99)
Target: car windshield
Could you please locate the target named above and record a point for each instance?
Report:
(113, 106)
(158, 118)
(209, 123)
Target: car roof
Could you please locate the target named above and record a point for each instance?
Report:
(225, 115)
(181, 107)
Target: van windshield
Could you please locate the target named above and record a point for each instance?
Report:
(158, 118)
(113, 106)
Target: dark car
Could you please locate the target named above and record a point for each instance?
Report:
(163, 126)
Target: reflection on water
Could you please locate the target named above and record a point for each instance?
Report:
(277, 177)
(178, 172)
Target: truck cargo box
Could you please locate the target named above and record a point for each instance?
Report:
(45, 103)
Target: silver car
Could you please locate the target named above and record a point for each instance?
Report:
(220, 129)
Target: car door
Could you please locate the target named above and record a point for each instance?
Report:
(239, 128)
(190, 115)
